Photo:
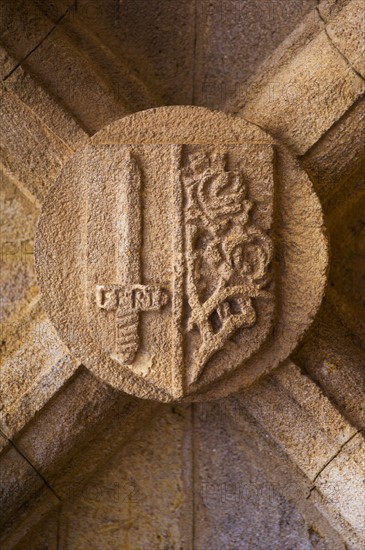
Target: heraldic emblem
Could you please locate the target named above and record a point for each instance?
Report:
(185, 275)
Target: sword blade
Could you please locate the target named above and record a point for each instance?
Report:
(129, 260)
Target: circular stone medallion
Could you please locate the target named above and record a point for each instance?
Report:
(181, 254)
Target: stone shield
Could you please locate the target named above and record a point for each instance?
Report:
(171, 253)
(180, 272)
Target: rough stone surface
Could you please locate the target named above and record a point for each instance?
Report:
(347, 34)
(25, 135)
(18, 221)
(224, 28)
(96, 86)
(17, 477)
(7, 63)
(187, 51)
(122, 507)
(171, 271)
(44, 536)
(237, 506)
(317, 71)
(204, 491)
(32, 384)
(336, 163)
(342, 483)
(154, 39)
(286, 401)
(309, 83)
(335, 360)
(125, 55)
(318, 450)
(44, 106)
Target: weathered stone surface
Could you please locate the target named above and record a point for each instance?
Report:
(66, 452)
(285, 405)
(96, 86)
(188, 52)
(347, 34)
(335, 360)
(49, 443)
(308, 95)
(15, 16)
(145, 39)
(206, 489)
(35, 364)
(144, 36)
(341, 482)
(166, 320)
(18, 218)
(19, 481)
(24, 135)
(233, 38)
(43, 105)
(44, 535)
(120, 417)
(239, 501)
(122, 507)
(7, 63)
(336, 163)
(37, 506)
(330, 8)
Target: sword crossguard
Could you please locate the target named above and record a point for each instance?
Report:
(128, 302)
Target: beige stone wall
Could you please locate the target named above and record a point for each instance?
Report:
(281, 465)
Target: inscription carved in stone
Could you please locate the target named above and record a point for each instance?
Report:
(127, 302)
(130, 298)
(171, 249)
(219, 226)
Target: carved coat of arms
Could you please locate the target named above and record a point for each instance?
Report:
(180, 259)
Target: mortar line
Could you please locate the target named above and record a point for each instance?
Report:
(347, 61)
(335, 456)
(30, 464)
(58, 21)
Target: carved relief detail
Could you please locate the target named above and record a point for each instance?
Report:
(128, 297)
(180, 269)
(220, 264)
(128, 302)
(228, 257)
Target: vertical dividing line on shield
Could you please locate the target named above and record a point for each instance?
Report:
(178, 272)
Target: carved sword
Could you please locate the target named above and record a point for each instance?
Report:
(129, 262)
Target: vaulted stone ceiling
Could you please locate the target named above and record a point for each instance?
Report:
(280, 464)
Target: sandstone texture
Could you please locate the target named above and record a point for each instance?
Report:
(170, 253)
(279, 463)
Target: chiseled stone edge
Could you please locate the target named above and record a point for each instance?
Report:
(295, 80)
(67, 440)
(94, 69)
(319, 441)
(323, 463)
